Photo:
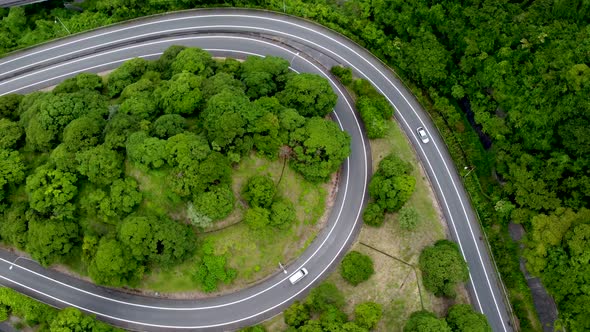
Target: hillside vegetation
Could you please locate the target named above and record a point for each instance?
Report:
(118, 178)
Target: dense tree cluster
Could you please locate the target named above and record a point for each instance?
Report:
(460, 318)
(77, 164)
(522, 83)
(322, 312)
(390, 188)
(35, 313)
(442, 267)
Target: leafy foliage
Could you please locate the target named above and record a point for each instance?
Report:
(319, 148)
(50, 191)
(442, 268)
(100, 164)
(392, 185)
(309, 94)
(356, 267)
(259, 191)
(212, 269)
(368, 314)
(425, 321)
(462, 318)
(216, 203)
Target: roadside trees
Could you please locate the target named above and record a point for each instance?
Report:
(442, 268)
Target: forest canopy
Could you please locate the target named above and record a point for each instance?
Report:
(78, 163)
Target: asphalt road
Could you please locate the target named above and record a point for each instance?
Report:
(16, 3)
(310, 48)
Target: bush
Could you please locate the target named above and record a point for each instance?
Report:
(344, 74)
(374, 215)
(408, 218)
(356, 267)
(368, 314)
(259, 191)
(324, 296)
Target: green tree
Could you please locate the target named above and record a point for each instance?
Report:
(212, 269)
(259, 191)
(374, 215)
(324, 296)
(356, 267)
(310, 94)
(296, 315)
(12, 132)
(12, 168)
(50, 191)
(216, 203)
(319, 148)
(187, 150)
(168, 125)
(221, 82)
(425, 321)
(392, 186)
(442, 268)
(64, 159)
(114, 265)
(13, 229)
(344, 74)
(193, 60)
(368, 314)
(148, 151)
(282, 213)
(257, 218)
(100, 164)
(137, 234)
(9, 106)
(223, 118)
(83, 133)
(50, 240)
(263, 76)
(163, 64)
(118, 128)
(126, 74)
(72, 319)
(124, 195)
(462, 318)
(181, 95)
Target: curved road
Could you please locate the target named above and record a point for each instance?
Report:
(310, 48)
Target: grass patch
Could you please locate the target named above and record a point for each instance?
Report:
(394, 284)
(252, 254)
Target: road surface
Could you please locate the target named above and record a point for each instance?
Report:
(310, 48)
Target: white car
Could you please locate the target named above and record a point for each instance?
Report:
(422, 134)
(297, 276)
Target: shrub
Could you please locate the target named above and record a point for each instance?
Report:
(356, 267)
(408, 218)
(344, 74)
(374, 215)
(259, 191)
(368, 314)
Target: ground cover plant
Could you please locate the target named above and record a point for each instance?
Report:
(119, 177)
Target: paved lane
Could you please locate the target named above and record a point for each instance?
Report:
(238, 33)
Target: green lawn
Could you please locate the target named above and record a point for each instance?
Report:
(254, 255)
